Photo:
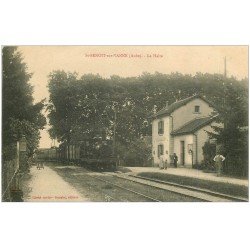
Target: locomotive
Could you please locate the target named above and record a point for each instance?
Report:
(96, 154)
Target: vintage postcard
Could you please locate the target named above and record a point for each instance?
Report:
(125, 123)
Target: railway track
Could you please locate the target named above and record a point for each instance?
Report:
(149, 198)
(184, 190)
(198, 193)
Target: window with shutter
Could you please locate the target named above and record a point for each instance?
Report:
(161, 127)
(160, 150)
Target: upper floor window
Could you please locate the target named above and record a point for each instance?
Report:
(161, 127)
(196, 109)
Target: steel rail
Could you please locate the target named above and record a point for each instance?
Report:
(212, 193)
(124, 188)
(163, 189)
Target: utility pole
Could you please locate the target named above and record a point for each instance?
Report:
(114, 131)
(225, 66)
(22, 164)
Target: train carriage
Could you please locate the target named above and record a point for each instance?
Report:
(95, 153)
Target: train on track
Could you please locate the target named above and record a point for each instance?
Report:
(95, 154)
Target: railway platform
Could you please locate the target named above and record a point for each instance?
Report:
(186, 172)
(45, 185)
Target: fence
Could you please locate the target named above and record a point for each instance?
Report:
(10, 171)
(9, 180)
(236, 165)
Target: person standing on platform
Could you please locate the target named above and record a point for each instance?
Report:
(175, 158)
(161, 164)
(166, 164)
(219, 163)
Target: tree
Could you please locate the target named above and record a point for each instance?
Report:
(20, 115)
(84, 107)
(233, 135)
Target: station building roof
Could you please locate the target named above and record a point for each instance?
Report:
(193, 125)
(171, 108)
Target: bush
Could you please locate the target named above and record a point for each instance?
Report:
(199, 166)
(138, 154)
(209, 151)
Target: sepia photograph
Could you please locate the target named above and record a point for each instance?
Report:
(125, 123)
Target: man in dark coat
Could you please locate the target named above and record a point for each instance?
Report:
(175, 157)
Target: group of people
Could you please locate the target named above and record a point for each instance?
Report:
(218, 159)
(164, 164)
(39, 165)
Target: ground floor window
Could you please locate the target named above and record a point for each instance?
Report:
(160, 150)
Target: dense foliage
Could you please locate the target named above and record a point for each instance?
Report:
(83, 107)
(233, 136)
(20, 115)
(209, 151)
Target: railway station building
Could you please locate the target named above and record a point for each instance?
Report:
(181, 128)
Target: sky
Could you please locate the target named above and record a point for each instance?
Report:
(128, 61)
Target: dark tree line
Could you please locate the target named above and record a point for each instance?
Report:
(82, 107)
(233, 136)
(21, 117)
